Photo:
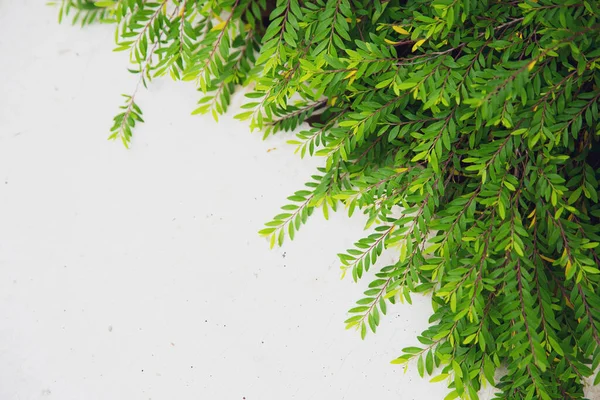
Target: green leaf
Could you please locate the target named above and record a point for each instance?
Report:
(439, 378)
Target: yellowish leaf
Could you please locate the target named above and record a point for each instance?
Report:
(350, 74)
(418, 44)
(543, 257)
(400, 30)
(568, 267)
(388, 41)
(569, 304)
(219, 26)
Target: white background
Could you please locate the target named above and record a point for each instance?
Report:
(138, 274)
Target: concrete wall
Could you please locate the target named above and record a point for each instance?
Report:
(138, 274)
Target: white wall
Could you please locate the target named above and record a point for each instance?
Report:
(138, 274)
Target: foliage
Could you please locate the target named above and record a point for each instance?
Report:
(477, 118)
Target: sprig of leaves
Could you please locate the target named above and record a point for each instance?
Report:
(125, 121)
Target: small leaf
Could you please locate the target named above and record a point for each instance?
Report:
(400, 30)
(418, 44)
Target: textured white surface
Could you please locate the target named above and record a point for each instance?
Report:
(139, 274)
